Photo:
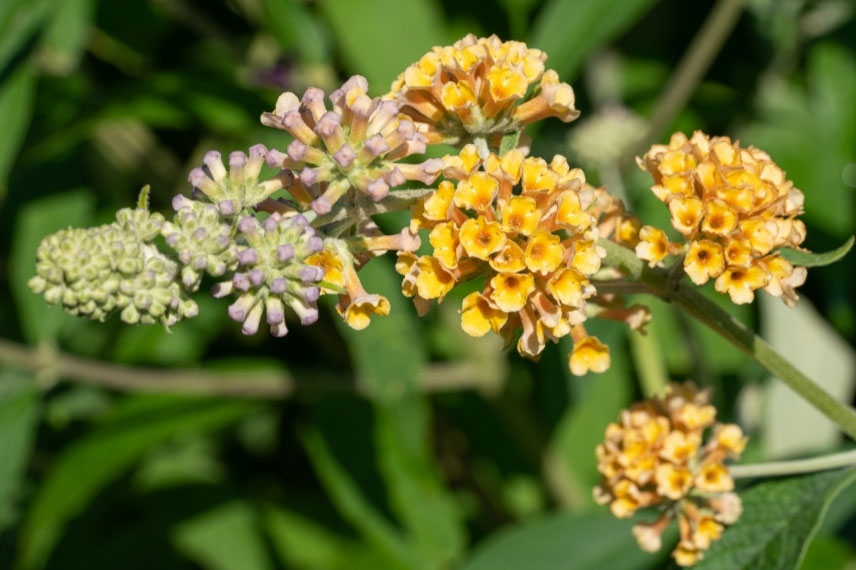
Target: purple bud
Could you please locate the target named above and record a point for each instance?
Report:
(240, 281)
(275, 317)
(308, 273)
(227, 207)
(321, 206)
(212, 156)
(312, 96)
(179, 201)
(311, 294)
(172, 239)
(291, 119)
(200, 262)
(237, 159)
(296, 150)
(345, 156)
(248, 256)
(309, 317)
(378, 189)
(406, 129)
(275, 158)
(248, 224)
(376, 145)
(237, 312)
(308, 176)
(223, 240)
(433, 166)
(279, 330)
(395, 177)
(271, 223)
(328, 124)
(199, 234)
(197, 176)
(257, 276)
(315, 244)
(278, 285)
(258, 151)
(285, 252)
(299, 221)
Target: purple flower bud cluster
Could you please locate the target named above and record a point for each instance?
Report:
(273, 273)
(201, 239)
(354, 146)
(237, 188)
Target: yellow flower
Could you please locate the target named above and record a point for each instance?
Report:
(481, 238)
(653, 245)
(703, 261)
(444, 240)
(741, 282)
(433, 282)
(687, 554)
(686, 214)
(589, 354)
(544, 252)
(510, 259)
(436, 207)
(357, 312)
(511, 290)
(520, 215)
(713, 477)
(478, 316)
(673, 482)
(730, 439)
(476, 192)
(332, 266)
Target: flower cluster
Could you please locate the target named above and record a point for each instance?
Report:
(481, 87)
(95, 272)
(355, 147)
(655, 456)
(535, 246)
(734, 208)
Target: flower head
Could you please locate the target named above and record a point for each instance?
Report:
(236, 189)
(734, 208)
(481, 87)
(355, 147)
(655, 456)
(114, 268)
(530, 229)
(275, 273)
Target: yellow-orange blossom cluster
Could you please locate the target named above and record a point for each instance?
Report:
(655, 457)
(535, 247)
(734, 207)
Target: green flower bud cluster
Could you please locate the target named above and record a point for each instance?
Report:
(95, 272)
(201, 239)
(275, 273)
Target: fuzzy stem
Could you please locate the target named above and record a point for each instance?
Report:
(796, 466)
(689, 299)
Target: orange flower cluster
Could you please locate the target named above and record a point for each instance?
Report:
(536, 248)
(734, 207)
(654, 457)
(481, 87)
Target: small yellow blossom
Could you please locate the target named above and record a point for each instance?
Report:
(653, 245)
(655, 457)
(481, 238)
(589, 354)
(479, 315)
(703, 261)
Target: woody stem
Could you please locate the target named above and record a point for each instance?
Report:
(675, 290)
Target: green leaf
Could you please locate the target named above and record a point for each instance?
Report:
(20, 20)
(93, 461)
(64, 39)
(779, 520)
(16, 106)
(352, 504)
(569, 30)
(296, 28)
(40, 321)
(20, 406)
(303, 543)
(595, 541)
(225, 538)
(810, 259)
(380, 38)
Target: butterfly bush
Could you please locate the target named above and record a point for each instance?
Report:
(275, 229)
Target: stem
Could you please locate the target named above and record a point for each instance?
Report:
(441, 377)
(693, 302)
(691, 69)
(810, 465)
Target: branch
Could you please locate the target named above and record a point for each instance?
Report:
(796, 466)
(244, 384)
(688, 298)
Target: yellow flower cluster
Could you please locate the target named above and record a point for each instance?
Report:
(481, 87)
(734, 208)
(535, 247)
(655, 457)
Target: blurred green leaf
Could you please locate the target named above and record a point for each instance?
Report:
(779, 519)
(20, 405)
(380, 38)
(377, 531)
(20, 21)
(389, 357)
(95, 460)
(35, 220)
(296, 28)
(595, 541)
(226, 538)
(308, 545)
(65, 37)
(811, 259)
(828, 553)
(16, 107)
(599, 399)
(569, 30)
(824, 114)
(791, 425)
